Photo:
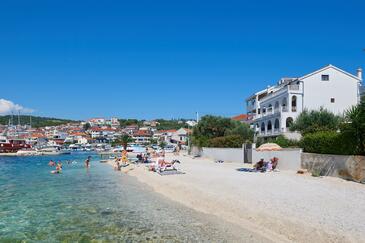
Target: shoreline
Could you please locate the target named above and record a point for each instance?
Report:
(214, 189)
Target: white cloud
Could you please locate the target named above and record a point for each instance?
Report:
(7, 106)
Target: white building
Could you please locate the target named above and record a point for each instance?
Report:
(272, 110)
(180, 136)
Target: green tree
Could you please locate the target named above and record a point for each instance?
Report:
(86, 126)
(123, 141)
(315, 121)
(212, 127)
(153, 141)
(162, 144)
(220, 129)
(231, 141)
(241, 129)
(353, 129)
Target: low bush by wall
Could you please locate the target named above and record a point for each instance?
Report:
(327, 142)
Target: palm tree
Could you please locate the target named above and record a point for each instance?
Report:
(124, 140)
(354, 128)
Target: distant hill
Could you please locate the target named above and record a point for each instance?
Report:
(36, 121)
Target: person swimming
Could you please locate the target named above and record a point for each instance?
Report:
(58, 169)
(52, 163)
(87, 162)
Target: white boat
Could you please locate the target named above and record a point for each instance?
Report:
(53, 150)
(28, 152)
(135, 148)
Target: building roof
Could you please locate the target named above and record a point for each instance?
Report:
(242, 117)
(143, 133)
(328, 67)
(100, 129)
(167, 131)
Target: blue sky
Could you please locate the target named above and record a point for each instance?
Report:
(166, 59)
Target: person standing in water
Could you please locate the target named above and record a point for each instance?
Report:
(87, 162)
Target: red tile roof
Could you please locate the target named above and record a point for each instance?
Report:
(167, 131)
(242, 117)
(142, 133)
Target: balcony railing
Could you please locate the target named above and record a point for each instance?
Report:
(294, 87)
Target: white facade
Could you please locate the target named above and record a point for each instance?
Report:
(180, 136)
(273, 110)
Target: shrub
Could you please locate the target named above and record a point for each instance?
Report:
(220, 131)
(281, 140)
(232, 141)
(327, 142)
(315, 121)
(354, 127)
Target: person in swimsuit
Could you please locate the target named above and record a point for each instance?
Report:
(87, 162)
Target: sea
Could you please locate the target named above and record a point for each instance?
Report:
(91, 205)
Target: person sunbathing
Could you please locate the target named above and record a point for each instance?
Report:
(259, 165)
(275, 162)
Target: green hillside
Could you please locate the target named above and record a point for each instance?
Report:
(36, 121)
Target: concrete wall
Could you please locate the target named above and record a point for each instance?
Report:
(289, 159)
(343, 166)
(225, 154)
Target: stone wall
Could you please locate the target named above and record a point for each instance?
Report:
(343, 166)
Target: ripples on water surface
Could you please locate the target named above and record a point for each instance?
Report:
(81, 205)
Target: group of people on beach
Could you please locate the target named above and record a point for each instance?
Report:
(160, 164)
(122, 161)
(267, 166)
(156, 161)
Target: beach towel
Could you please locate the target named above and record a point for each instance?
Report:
(170, 172)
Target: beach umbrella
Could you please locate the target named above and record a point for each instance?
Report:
(269, 147)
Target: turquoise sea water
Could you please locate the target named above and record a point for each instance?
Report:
(82, 205)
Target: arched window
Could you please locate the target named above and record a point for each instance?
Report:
(263, 127)
(276, 125)
(269, 109)
(269, 126)
(276, 107)
(284, 104)
(294, 103)
(289, 121)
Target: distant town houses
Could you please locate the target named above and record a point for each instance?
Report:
(271, 111)
(76, 135)
(113, 122)
(173, 136)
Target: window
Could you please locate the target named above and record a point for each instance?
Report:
(294, 103)
(289, 121)
(332, 100)
(325, 77)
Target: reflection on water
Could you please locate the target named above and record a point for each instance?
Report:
(98, 204)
